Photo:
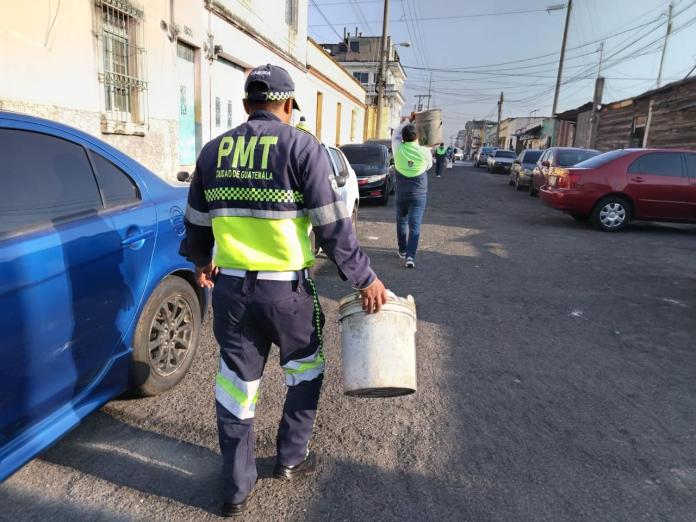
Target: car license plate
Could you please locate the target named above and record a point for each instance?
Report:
(552, 181)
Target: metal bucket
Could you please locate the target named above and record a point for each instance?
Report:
(429, 127)
(378, 350)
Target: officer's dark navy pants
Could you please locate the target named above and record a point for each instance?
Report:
(439, 165)
(249, 315)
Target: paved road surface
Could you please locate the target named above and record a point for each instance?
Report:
(556, 372)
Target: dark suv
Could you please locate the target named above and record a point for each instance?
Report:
(373, 169)
(522, 168)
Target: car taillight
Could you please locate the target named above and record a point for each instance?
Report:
(566, 178)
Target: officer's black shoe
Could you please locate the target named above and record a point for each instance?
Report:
(234, 510)
(306, 467)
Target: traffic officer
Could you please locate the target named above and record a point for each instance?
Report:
(302, 125)
(440, 156)
(256, 192)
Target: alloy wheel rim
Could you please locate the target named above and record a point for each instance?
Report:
(612, 215)
(170, 337)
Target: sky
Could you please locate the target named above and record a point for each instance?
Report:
(475, 50)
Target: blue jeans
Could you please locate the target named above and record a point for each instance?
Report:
(409, 214)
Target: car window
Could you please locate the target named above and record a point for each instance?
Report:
(340, 164)
(364, 155)
(116, 186)
(658, 164)
(44, 179)
(691, 164)
(504, 154)
(570, 157)
(601, 159)
(531, 156)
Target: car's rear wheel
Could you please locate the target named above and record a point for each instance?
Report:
(166, 337)
(611, 214)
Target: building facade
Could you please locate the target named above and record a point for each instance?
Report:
(159, 78)
(360, 56)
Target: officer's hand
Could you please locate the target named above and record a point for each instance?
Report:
(412, 117)
(205, 274)
(374, 296)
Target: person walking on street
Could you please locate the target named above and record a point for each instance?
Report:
(412, 162)
(302, 125)
(440, 158)
(256, 192)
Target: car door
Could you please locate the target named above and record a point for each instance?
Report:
(658, 184)
(65, 288)
(690, 158)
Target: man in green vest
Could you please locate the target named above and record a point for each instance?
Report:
(412, 162)
(440, 156)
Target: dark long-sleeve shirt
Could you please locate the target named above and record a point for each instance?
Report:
(255, 192)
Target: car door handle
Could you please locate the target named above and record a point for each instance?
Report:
(137, 237)
(637, 179)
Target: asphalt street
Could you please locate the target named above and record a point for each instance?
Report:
(556, 382)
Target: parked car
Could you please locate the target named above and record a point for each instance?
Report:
(556, 157)
(458, 155)
(500, 160)
(94, 295)
(376, 178)
(482, 156)
(613, 188)
(386, 143)
(522, 168)
(346, 181)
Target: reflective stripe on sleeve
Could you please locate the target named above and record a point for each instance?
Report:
(252, 212)
(235, 394)
(197, 217)
(328, 213)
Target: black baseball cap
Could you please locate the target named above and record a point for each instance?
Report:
(277, 82)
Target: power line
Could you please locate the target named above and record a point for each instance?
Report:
(340, 38)
(455, 17)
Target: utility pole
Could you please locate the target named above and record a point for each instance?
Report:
(659, 75)
(419, 106)
(497, 129)
(664, 45)
(382, 72)
(569, 8)
(596, 101)
(430, 89)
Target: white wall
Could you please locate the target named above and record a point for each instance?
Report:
(53, 74)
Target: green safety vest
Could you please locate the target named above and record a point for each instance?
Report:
(411, 159)
(440, 151)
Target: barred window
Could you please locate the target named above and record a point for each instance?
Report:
(119, 32)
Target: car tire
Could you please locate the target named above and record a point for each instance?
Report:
(611, 214)
(171, 318)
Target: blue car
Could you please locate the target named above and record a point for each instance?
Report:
(94, 297)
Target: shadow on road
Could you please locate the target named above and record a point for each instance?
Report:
(143, 460)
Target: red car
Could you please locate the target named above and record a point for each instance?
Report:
(553, 158)
(613, 188)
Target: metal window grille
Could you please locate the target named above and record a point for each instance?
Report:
(229, 114)
(217, 111)
(118, 28)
